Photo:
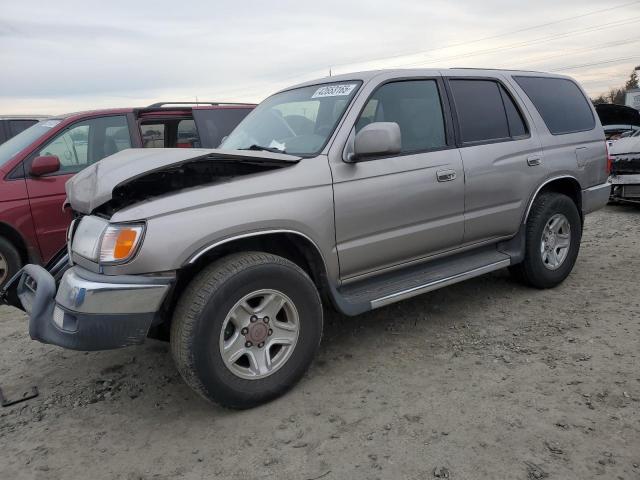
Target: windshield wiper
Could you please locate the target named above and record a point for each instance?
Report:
(263, 149)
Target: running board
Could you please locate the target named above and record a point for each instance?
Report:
(435, 284)
(398, 285)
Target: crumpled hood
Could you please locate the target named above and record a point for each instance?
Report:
(93, 186)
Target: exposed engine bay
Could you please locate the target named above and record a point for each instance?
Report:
(202, 171)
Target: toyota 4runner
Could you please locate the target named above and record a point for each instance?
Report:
(354, 191)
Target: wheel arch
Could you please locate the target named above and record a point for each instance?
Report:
(13, 236)
(290, 244)
(565, 184)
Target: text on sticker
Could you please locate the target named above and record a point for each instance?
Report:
(334, 90)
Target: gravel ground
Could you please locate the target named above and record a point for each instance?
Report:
(485, 379)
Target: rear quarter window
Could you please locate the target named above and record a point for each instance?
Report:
(560, 102)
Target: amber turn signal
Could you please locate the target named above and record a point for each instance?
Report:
(119, 242)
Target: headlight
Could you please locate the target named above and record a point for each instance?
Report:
(86, 238)
(97, 240)
(119, 242)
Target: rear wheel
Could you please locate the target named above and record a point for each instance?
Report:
(553, 234)
(246, 329)
(10, 261)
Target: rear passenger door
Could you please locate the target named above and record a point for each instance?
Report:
(402, 207)
(573, 141)
(500, 154)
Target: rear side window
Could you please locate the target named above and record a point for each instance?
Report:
(517, 127)
(485, 111)
(169, 133)
(215, 124)
(187, 134)
(561, 104)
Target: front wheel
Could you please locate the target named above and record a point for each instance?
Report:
(246, 329)
(10, 261)
(552, 243)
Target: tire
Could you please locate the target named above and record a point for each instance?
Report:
(10, 261)
(198, 339)
(542, 270)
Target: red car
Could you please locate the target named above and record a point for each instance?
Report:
(35, 165)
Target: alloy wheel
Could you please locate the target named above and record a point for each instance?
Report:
(555, 242)
(259, 334)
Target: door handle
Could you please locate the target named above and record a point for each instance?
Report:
(446, 175)
(534, 160)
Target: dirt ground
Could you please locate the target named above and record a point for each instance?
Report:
(483, 380)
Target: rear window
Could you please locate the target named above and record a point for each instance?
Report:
(561, 104)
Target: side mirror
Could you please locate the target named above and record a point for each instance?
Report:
(43, 165)
(378, 138)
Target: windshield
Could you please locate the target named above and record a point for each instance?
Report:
(15, 145)
(298, 121)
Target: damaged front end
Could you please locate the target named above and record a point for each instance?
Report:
(74, 302)
(193, 173)
(56, 267)
(135, 175)
(625, 178)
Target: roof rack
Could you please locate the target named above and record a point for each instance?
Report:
(162, 104)
(495, 69)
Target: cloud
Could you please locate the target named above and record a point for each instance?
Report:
(84, 54)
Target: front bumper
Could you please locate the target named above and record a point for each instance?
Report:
(90, 311)
(595, 198)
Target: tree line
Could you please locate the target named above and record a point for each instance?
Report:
(617, 95)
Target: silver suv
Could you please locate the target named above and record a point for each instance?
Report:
(353, 192)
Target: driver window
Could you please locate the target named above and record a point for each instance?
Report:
(70, 147)
(415, 106)
(87, 142)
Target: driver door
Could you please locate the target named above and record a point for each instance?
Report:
(76, 147)
(399, 208)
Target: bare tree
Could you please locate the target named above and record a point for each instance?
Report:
(617, 95)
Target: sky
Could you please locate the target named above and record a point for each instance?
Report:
(74, 55)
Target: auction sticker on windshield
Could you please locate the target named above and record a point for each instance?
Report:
(335, 90)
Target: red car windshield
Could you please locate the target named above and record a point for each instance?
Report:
(15, 145)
